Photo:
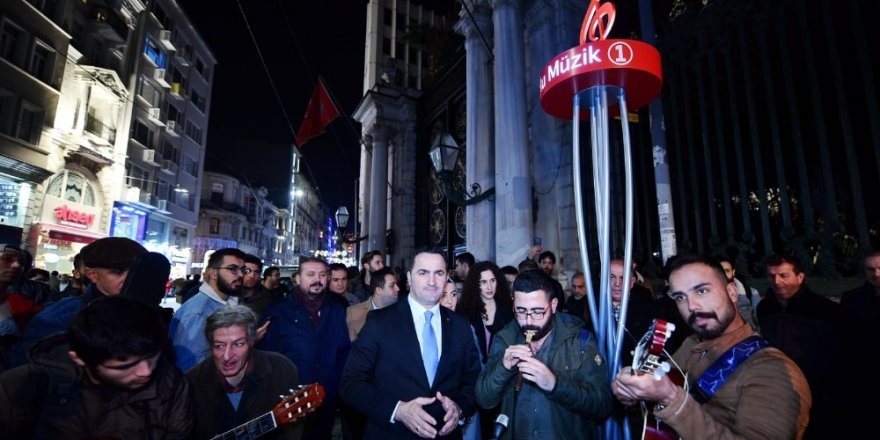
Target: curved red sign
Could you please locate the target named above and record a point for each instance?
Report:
(630, 64)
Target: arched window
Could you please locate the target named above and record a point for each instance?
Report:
(73, 187)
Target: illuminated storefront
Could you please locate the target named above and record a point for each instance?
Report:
(69, 219)
(129, 221)
(13, 202)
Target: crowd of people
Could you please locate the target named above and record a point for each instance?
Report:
(463, 349)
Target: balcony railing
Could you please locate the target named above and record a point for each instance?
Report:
(98, 128)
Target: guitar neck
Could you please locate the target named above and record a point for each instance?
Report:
(250, 430)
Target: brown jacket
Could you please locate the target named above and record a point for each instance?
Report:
(766, 397)
(355, 316)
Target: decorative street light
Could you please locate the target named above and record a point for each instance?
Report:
(341, 221)
(443, 154)
(342, 217)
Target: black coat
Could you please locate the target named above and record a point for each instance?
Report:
(385, 366)
(807, 329)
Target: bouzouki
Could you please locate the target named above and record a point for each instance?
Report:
(650, 358)
(300, 402)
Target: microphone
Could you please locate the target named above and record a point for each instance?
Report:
(500, 426)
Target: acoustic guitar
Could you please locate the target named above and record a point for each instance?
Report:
(650, 358)
(302, 401)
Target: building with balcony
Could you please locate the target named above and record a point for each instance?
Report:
(233, 214)
(103, 113)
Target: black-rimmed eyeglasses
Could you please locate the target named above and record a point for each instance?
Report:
(235, 269)
(534, 314)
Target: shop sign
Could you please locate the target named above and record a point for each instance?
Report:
(64, 212)
(71, 217)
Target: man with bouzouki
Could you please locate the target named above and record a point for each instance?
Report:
(238, 385)
(737, 386)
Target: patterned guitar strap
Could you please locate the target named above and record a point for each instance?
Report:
(717, 374)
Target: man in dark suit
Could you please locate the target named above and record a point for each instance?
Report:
(413, 367)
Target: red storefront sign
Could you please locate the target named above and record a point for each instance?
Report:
(72, 217)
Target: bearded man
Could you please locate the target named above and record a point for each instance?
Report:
(223, 280)
(309, 328)
(554, 386)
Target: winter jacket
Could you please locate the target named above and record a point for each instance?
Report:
(581, 399)
(52, 398)
(807, 329)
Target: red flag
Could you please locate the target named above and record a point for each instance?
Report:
(320, 112)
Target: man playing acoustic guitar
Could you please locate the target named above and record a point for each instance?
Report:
(239, 383)
(753, 391)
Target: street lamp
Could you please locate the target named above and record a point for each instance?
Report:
(341, 217)
(341, 222)
(443, 154)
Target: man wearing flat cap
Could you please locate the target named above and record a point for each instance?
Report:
(105, 262)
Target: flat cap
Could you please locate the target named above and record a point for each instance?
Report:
(111, 253)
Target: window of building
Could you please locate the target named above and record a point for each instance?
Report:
(161, 16)
(197, 100)
(169, 151)
(194, 132)
(47, 7)
(173, 113)
(7, 111)
(202, 69)
(155, 229)
(141, 133)
(30, 123)
(12, 41)
(162, 190)
(386, 46)
(155, 54)
(214, 226)
(387, 15)
(72, 187)
(147, 91)
(137, 177)
(190, 165)
(42, 61)
(177, 77)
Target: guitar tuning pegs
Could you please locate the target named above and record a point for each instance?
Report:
(281, 396)
(665, 367)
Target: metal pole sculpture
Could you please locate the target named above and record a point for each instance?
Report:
(595, 81)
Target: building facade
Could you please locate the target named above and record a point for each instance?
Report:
(769, 111)
(233, 214)
(104, 116)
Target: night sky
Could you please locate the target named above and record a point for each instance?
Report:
(251, 131)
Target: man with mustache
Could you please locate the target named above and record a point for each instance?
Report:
(765, 394)
(309, 328)
(224, 277)
(564, 391)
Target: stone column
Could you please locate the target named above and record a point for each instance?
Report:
(378, 191)
(513, 196)
(480, 160)
(363, 200)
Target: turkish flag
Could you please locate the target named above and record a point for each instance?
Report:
(320, 112)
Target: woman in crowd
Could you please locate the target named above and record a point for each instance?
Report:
(486, 302)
